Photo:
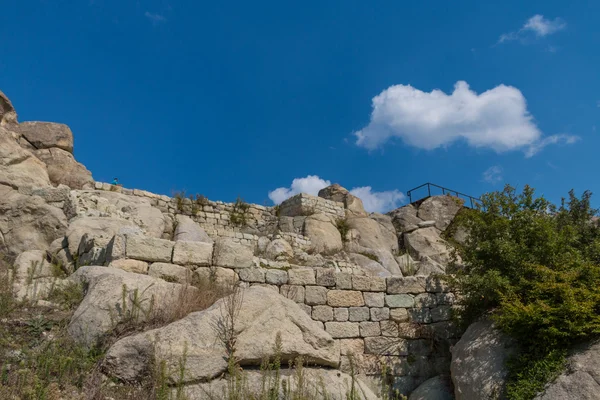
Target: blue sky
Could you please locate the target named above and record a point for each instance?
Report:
(241, 98)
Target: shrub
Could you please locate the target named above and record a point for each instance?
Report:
(239, 214)
(343, 227)
(534, 268)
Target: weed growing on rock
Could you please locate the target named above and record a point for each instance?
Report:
(239, 213)
(343, 227)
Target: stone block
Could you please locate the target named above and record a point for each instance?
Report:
(149, 249)
(343, 281)
(340, 330)
(357, 314)
(408, 284)
(420, 315)
(293, 292)
(389, 328)
(425, 300)
(222, 277)
(386, 346)
(399, 300)
(170, 272)
(345, 298)
(368, 283)
(306, 309)
(435, 284)
(368, 329)
(326, 277)
(380, 314)
(230, 254)
(399, 314)
(192, 253)
(409, 330)
(373, 299)
(137, 266)
(352, 346)
(301, 276)
(115, 249)
(276, 277)
(315, 295)
(252, 275)
(441, 313)
(445, 298)
(340, 314)
(322, 313)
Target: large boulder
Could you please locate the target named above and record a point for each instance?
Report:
(436, 388)
(279, 250)
(188, 230)
(63, 169)
(323, 383)
(34, 278)
(426, 242)
(231, 254)
(259, 314)
(8, 115)
(46, 135)
(478, 367)
(353, 205)
(19, 167)
(368, 264)
(441, 209)
(581, 378)
(27, 222)
(137, 210)
(323, 233)
(373, 234)
(405, 218)
(97, 230)
(113, 296)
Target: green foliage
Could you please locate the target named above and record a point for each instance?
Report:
(68, 295)
(370, 256)
(535, 268)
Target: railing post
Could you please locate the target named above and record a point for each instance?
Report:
(428, 190)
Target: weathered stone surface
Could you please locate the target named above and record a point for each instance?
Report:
(384, 345)
(343, 280)
(102, 307)
(19, 167)
(478, 366)
(352, 204)
(263, 315)
(322, 313)
(221, 277)
(63, 169)
(405, 218)
(352, 346)
(345, 298)
(253, 275)
(374, 235)
(230, 254)
(103, 229)
(192, 253)
(190, 231)
(339, 330)
(399, 300)
(279, 250)
(340, 314)
(135, 209)
(357, 314)
(135, 266)
(315, 295)
(46, 135)
(389, 328)
(441, 209)
(326, 277)
(399, 314)
(301, 276)
(408, 284)
(368, 283)
(170, 272)
(427, 242)
(337, 384)
(380, 314)
(149, 249)
(368, 328)
(374, 299)
(27, 222)
(370, 266)
(323, 234)
(8, 115)
(436, 388)
(276, 277)
(33, 275)
(581, 379)
(293, 292)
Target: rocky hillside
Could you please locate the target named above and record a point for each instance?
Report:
(353, 301)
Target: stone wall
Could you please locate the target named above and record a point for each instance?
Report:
(305, 204)
(402, 322)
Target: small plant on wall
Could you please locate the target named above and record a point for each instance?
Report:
(239, 214)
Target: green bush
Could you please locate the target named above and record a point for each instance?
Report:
(534, 268)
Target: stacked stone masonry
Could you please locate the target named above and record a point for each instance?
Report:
(402, 322)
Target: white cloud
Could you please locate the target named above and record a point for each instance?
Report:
(379, 201)
(493, 174)
(554, 139)
(538, 25)
(496, 119)
(311, 184)
(155, 18)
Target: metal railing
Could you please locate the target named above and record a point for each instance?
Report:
(473, 201)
